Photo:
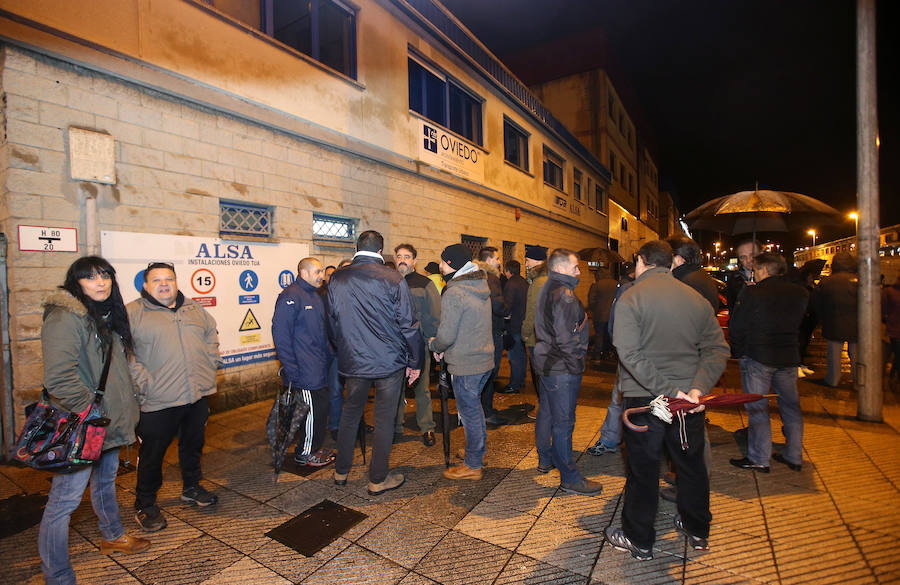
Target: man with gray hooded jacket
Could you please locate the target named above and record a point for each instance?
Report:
(176, 347)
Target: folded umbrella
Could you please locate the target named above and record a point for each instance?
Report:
(286, 416)
(444, 389)
(664, 407)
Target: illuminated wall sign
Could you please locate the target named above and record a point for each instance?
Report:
(447, 151)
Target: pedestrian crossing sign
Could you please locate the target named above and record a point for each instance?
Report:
(249, 323)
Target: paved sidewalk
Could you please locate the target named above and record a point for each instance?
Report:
(837, 521)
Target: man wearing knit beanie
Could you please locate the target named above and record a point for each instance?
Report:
(464, 342)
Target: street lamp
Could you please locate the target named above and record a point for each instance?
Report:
(813, 234)
(855, 217)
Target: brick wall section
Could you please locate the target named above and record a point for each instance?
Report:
(174, 161)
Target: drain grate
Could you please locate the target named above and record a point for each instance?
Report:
(18, 513)
(317, 527)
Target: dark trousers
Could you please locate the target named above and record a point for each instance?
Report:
(387, 393)
(535, 378)
(312, 432)
(487, 393)
(642, 483)
(602, 341)
(156, 431)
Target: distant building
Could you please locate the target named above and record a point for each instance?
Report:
(888, 251)
(589, 105)
(236, 137)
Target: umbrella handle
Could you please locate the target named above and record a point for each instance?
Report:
(630, 411)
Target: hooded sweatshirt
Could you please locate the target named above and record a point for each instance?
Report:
(464, 335)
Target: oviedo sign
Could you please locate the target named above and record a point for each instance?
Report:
(447, 151)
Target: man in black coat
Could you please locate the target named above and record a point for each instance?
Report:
(739, 279)
(489, 261)
(686, 268)
(374, 328)
(515, 292)
(763, 334)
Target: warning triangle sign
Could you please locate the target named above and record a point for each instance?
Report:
(249, 323)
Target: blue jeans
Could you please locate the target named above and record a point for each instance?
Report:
(65, 496)
(517, 362)
(336, 396)
(611, 431)
(757, 378)
(559, 394)
(467, 390)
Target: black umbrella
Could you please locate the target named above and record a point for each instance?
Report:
(444, 389)
(286, 416)
(761, 211)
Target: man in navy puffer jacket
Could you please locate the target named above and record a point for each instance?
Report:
(303, 348)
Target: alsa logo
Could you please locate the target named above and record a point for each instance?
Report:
(224, 251)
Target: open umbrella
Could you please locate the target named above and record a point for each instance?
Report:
(664, 408)
(444, 389)
(600, 257)
(761, 211)
(286, 416)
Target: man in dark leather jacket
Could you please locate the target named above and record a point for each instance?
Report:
(373, 327)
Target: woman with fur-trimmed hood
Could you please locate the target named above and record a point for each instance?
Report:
(465, 344)
(81, 322)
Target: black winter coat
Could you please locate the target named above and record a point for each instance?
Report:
(765, 322)
(515, 292)
(835, 303)
(560, 323)
(694, 276)
(372, 320)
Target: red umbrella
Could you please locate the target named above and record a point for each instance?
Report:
(664, 407)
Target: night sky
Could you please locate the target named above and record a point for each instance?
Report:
(724, 92)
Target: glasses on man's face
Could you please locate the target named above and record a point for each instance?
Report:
(168, 265)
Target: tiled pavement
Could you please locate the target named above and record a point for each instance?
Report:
(835, 522)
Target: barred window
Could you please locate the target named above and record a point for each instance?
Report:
(334, 228)
(244, 219)
(473, 243)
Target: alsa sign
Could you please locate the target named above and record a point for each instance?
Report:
(447, 151)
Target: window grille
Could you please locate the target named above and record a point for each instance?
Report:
(244, 219)
(334, 228)
(509, 251)
(473, 243)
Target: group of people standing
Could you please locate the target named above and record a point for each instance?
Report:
(163, 355)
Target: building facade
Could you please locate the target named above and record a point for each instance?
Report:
(590, 106)
(236, 137)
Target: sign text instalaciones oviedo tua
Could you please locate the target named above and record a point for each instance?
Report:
(219, 275)
(446, 151)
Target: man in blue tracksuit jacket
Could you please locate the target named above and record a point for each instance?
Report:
(303, 348)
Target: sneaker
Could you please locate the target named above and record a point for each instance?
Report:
(199, 496)
(321, 458)
(696, 542)
(585, 487)
(545, 468)
(600, 449)
(619, 541)
(150, 519)
(495, 420)
(393, 480)
(807, 370)
(301, 459)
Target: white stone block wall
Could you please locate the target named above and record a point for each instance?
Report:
(174, 162)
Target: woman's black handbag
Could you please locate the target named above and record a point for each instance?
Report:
(56, 440)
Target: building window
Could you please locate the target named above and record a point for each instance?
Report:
(600, 197)
(334, 228)
(473, 243)
(624, 224)
(614, 244)
(622, 173)
(323, 29)
(631, 183)
(612, 164)
(553, 169)
(444, 102)
(244, 219)
(576, 185)
(509, 251)
(515, 145)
